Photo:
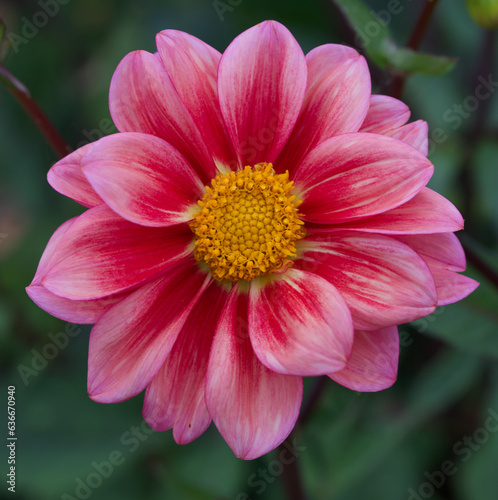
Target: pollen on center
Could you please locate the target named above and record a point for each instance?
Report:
(248, 224)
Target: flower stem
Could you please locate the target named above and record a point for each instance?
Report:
(22, 95)
(291, 475)
(313, 398)
(414, 42)
(422, 25)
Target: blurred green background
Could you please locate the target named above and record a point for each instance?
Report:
(389, 445)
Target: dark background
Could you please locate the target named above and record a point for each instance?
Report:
(443, 408)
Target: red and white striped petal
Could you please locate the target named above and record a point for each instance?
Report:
(300, 325)
(352, 176)
(385, 113)
(383, 281)
(102, 254)
(74, 311)
(67, 178)
(81, 312)
(426, 213)
(415, 134)
(130, 342)
(373, 365)
(450, 286)
(253, 407)
(143, 178)
(143, 98)
(176, 396)
(443, 248)
(336, 101)
(193, 68)
(261, 85)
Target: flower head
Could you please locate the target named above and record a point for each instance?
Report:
(259, 217)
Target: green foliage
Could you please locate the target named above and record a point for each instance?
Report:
(374, 35)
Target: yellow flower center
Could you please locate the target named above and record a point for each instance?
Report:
(248, 224)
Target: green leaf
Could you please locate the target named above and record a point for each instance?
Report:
(468, 327)
(360, 19)
(441, 383)
(478, 454)
(409, 61)
(373, 35)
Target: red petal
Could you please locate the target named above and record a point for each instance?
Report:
(253, 407)
(81, 312)
(373, 365)
(427, 212)
(450, 286)
(193, 68)
(67, 178)
(261, 84)
(385, 113)
(102, 254)
(175, 397)
(336, 101)
(356, 175)
(415, 134)
(143, 179)
(300, 325)
(130, 342)
(143, 98)
(383, 281)
(440, 247)
(74, 311)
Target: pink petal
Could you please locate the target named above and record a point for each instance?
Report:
(385, 113)
(193, 68)
(300, 325)
(427, 212)
(451, 287)
(143, 179)
(130, 342)
(444, 248)
(383, 281)
(336, 101)
(82, 312)
(373, 365)
(253, 407)
(102, 254)
(356, 175)
(67, 178)
(175, 397)
(415, 134)
(261, 84)
(74, 311)
(48, 257)
(143, 98)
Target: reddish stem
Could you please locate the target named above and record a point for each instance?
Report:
(22, 95)
(422, 25)
(414, 42)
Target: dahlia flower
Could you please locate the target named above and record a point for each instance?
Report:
(259, 217)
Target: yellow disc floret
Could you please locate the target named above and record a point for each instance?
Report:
(248, 224)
